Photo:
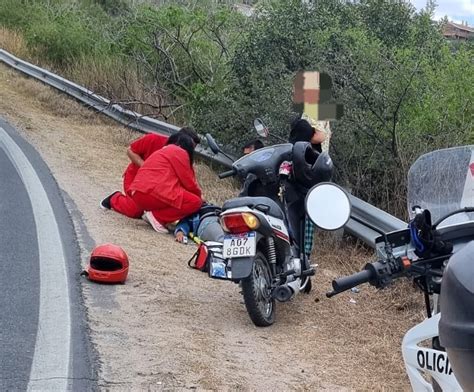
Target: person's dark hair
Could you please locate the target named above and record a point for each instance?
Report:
(185, 142)
(301, 131)
(189, 131)
(173, 138)
(256, 144)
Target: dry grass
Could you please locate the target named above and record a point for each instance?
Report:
(215, 190)
(49, 100)
(120, 81)
(370, 330)
(13, 42)
(346, 255)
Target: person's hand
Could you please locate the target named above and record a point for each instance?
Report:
(179, 236)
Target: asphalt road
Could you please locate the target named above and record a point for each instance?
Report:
(44, 338)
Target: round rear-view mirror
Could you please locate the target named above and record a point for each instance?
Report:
(328, 206)
(212, 144)
(260, 127)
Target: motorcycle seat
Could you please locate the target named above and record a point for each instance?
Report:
(251, 202)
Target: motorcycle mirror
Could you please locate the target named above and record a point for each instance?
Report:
(260, 127)
(212, 144)
(328, 206)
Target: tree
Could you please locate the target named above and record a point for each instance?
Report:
(184, 53)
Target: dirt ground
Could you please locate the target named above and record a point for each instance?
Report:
(173, 328)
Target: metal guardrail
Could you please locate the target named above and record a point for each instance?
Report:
(364, 216)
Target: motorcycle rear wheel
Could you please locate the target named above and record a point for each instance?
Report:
(256, 290)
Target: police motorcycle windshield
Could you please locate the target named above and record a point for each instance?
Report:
(264, 163)
(442, 181)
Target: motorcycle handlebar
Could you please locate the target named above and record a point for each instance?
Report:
(226, 174)
(348, 282)
(381, 273)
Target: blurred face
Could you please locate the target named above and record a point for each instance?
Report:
(248, 150)
(318, 137)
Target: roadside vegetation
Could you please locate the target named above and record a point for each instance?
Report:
(405, 89)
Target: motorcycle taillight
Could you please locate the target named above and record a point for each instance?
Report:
(240, 222)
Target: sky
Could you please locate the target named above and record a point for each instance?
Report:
(456, 10)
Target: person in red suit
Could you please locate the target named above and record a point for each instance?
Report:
(140, 149)
(164, 189)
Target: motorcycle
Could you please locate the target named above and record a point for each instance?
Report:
(441, 229)
(263, 249)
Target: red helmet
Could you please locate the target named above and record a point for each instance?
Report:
(108, 264)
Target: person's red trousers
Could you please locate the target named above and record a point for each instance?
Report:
(127, 182)
(134, 206)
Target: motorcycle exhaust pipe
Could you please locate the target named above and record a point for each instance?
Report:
(295, 286)
(282, 293)
(286, 291)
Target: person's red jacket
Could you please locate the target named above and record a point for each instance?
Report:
(144, 146)
(166, 174)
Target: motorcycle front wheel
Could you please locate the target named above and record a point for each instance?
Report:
(257, 293)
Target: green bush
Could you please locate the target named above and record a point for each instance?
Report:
(14, 14)
(60, 31)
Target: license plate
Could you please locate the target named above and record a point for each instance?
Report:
(239, 245)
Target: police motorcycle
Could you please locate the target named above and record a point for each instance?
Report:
(263, 249)
(437, 252)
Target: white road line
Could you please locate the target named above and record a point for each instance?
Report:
(50, 368)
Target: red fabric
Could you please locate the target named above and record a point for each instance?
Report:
(144, 146)
(128, 177)
(125, 205)
(166, 213)
(135, 205)
(167, 175)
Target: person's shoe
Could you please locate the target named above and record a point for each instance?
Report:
(105, 203)
(157, 226)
